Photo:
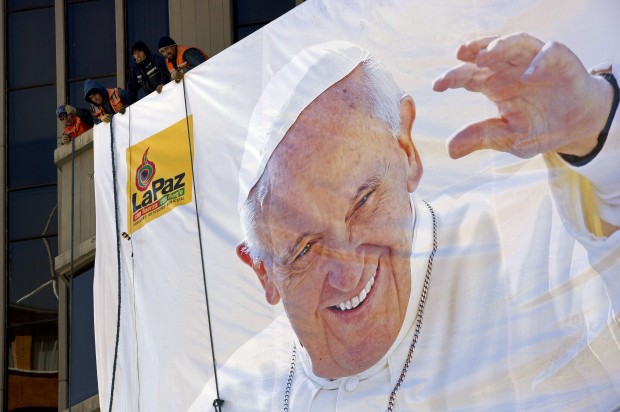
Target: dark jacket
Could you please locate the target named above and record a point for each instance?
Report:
(107, 107)
(85, 116)
(147, 74)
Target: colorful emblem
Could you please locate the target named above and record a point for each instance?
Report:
(145, 172)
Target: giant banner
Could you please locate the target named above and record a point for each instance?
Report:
(370, 205)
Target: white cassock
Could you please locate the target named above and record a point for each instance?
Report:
(522, 313)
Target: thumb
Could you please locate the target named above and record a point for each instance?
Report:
(485, 134)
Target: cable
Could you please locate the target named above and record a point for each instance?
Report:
(217, 403)
(118, 261)
(133, 269)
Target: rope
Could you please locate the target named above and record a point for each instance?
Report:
(217, 403)
(133, 271)
(118, 261)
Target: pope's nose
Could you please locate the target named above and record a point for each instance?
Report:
(345, 267)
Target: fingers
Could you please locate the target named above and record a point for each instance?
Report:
(465, 72)
(497, 135)
(489, 54)
(486, 134)
(515, 50)
(468, 52)
(176, 75)
(552, 57)
(465, 75)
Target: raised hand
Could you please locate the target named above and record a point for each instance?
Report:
(547, 101)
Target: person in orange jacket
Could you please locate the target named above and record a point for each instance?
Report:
(180, 59)
(76, 121)
(104, 103)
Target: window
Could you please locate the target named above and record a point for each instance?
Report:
(251, 15)
(83, 364)
(91, 46)
(147, 21)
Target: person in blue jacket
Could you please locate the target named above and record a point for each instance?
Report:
(104, 102)
(148, 73)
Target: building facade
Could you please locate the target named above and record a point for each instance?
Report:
(49, 48)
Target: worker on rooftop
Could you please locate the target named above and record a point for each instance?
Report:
(180, 59)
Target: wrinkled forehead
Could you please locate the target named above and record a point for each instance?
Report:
(286, 95)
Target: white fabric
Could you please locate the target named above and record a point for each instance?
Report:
(502, 330)
(496, 212)
(162, 300)
(602, 172)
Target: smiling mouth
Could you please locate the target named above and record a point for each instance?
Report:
(356, 300)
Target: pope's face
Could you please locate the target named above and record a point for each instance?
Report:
(337, 220)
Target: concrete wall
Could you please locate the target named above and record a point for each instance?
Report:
(206, 24)
(84, 203)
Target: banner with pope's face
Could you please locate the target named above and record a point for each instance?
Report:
(370, 205)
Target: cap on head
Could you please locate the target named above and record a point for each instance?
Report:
(286, 95)
(60, 110)
(165, 41)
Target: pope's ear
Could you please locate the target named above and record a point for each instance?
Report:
(407, 117)
(271, 292)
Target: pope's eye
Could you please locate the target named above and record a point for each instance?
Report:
(305, 250)
(363, 200)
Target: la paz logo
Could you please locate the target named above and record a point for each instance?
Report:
(145, 173)
(153, 191)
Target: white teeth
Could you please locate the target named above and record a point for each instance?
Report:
(368, 287)
(357, 300)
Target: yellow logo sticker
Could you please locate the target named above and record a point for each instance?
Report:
(159, 174)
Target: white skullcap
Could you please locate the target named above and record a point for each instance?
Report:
(287, 94)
